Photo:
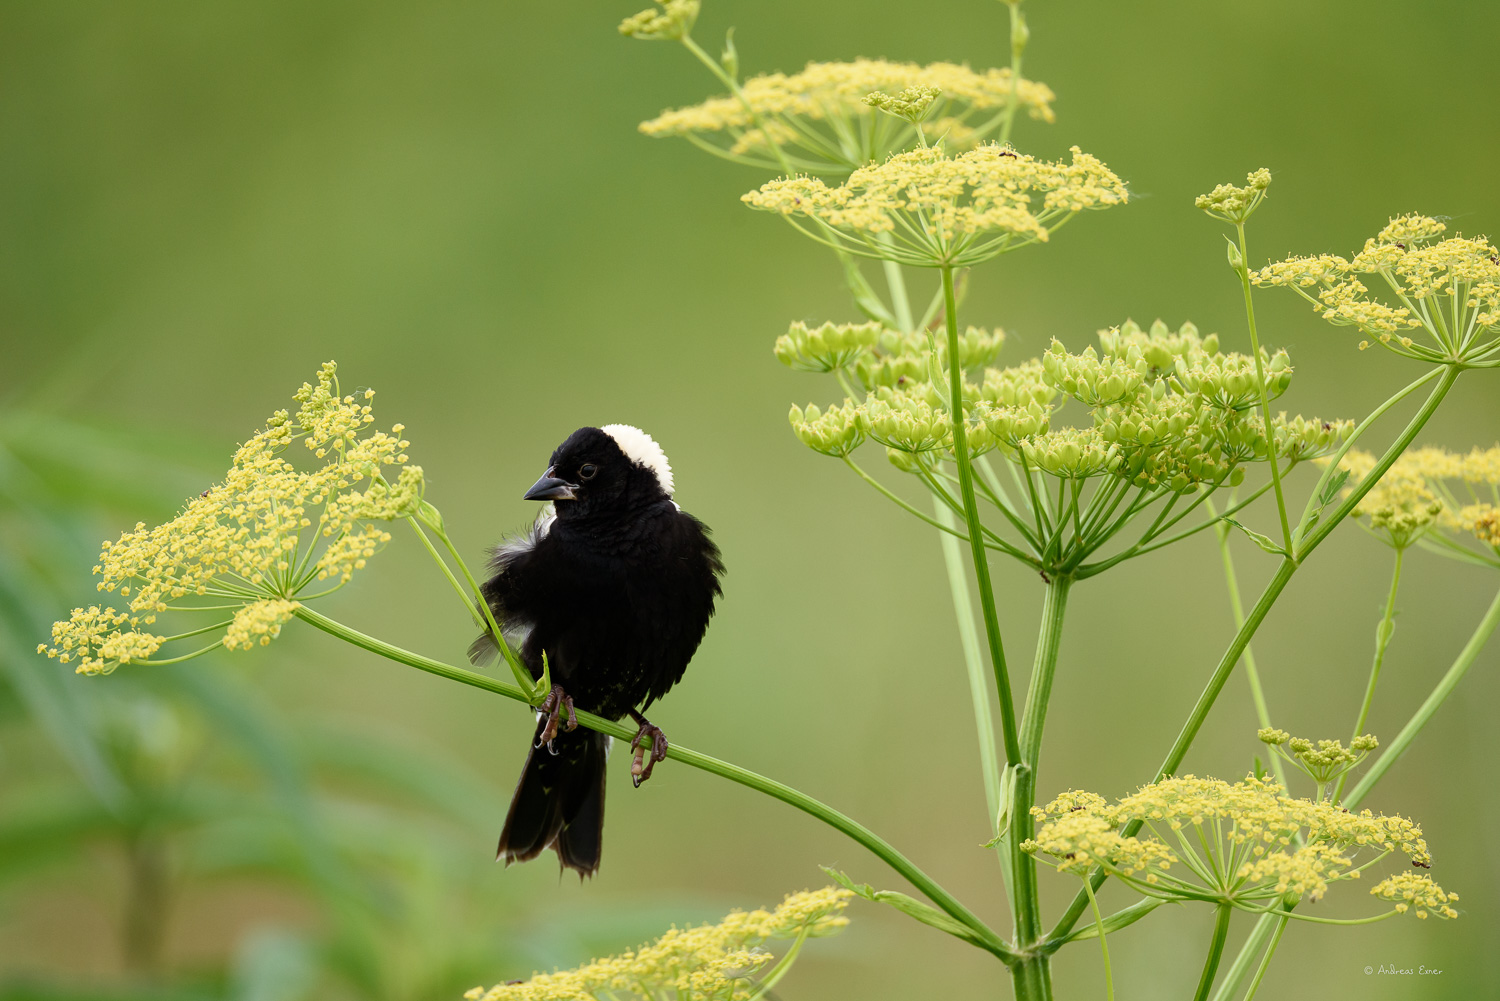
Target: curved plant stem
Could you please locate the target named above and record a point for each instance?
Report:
(1215, 951)
(1392, 753)
(1109, 978)
(1265, 403)
(985, 936)
(1382, 639)
(464, 598)
(968, 635)
(1265, 962)
(535, 689)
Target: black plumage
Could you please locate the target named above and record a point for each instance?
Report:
(616, 585)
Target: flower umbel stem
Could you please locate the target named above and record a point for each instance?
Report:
(1382, 639)
(971, 516)
(1215, 951)
(1265, 404)
(1392, 752)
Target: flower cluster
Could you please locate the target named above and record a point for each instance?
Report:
(1324, 761)
(1430, 495)
(259, 538)
(708, 963)
(1244, 843)
(823, 121)
(1235, 205)
(670, 20)
(1169, 409)
(1415, 889)
(1447, 288)
(927, 208)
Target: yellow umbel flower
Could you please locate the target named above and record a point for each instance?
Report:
(1411, 889)
(1243, 843)
(669, 21)
(1235, 205)
(929, 209)
(1450, 289)
(709, 963)
(823, 123)
(257, 540)
(1323, 761)
(1430, 490)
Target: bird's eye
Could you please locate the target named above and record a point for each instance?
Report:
(587, 471)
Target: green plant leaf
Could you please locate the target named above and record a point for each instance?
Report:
(1263, 541)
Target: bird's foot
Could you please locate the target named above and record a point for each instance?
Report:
(650, 746)
(553, 706)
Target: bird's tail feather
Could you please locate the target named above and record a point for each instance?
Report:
(559, 803)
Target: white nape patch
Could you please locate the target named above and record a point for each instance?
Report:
(641, 449)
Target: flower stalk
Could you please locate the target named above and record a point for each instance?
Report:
(982, 933)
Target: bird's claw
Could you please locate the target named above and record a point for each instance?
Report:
(650, 746)
(552, 707)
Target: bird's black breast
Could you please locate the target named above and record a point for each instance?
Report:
(618, 605)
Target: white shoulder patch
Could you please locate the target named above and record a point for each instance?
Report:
(641, 449)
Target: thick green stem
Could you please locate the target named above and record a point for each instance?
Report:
(1257, 694)
(1413, 428)
(1033, 722)
(1240, 968)
(1031, 979)
(1383, 633)
(971, 515)
(1265, 403)
(1311, 510)
(1215, 951)
(1392, 752)
(984, 935)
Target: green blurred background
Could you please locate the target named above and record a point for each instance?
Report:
(199, 203)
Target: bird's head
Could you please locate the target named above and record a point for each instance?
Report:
(597, 470)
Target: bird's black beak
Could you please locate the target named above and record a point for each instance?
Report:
(550, 488)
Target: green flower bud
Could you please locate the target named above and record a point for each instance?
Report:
(912, 104)
(1071, 453)
(1160, 348)
(907, 462)
(836, 432)
(904, 421)
(673, 21)
(1011, 424)
(1017, 386)
(826, 348)
(1089, 379)
(1228, 381)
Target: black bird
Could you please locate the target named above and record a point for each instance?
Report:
(615, 584)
